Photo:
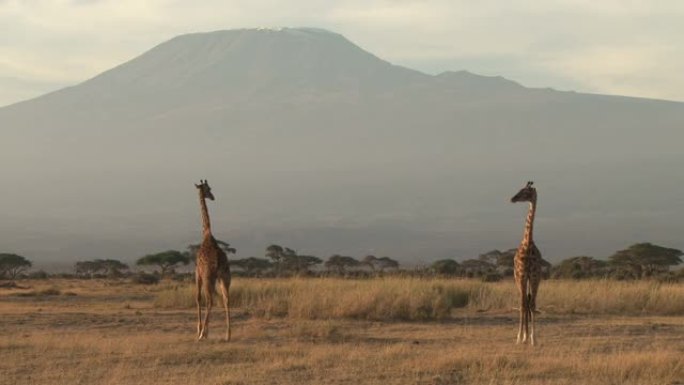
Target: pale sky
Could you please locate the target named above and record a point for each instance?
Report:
(629, 47)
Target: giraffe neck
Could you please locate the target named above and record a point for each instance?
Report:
(529, 223)
(206, 224)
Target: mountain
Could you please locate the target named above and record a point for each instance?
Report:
(311, 142)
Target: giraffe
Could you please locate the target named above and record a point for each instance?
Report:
(527, 267)
(212, 267)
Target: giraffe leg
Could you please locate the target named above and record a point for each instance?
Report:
(525, 328)
(523, 304)
(531, 315)
(225, 292)
(528, 317)
(534, 286)
(526, 333)
(209, 299)
(198, 299)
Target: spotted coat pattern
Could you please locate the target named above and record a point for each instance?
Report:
(527, 268)
(212, 268)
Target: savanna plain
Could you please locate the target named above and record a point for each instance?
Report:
(341, 331)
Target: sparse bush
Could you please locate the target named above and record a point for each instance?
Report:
(183, 277)
(145, 279)
(40, 274)
(101, 268)
(492, 277)
(65, 275)
(670, 277)
(50, 291)
(115, 274)
(40, 293)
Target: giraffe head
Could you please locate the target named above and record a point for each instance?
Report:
(526, 194)
(204, 189)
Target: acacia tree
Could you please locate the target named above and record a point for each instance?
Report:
(379, 264)
(505, 260)
(167, 261)
(477, 267)
(252, 266)
(299, 264)
(490, 256)
(502, 260)
(112, 267)
(447, 267)
(580, 267)
(340, 263)
(109, 267)
(225, 246)
(369, 260)
(11, 265)
(287, 260)
(646, 259)
(87, 268)
(277, 254)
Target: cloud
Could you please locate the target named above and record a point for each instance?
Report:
(608, 46)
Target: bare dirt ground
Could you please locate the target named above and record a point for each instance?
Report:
(94, 333)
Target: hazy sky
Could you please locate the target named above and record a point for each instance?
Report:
(629, 47)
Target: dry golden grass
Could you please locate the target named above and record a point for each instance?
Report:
(432, 299)
(115, 334)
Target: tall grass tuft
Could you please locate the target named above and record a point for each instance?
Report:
(431, 299)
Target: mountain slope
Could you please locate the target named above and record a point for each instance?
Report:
(312, 142)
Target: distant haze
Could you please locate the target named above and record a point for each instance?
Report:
(310, 142)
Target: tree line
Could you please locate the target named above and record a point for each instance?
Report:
(638, 261)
